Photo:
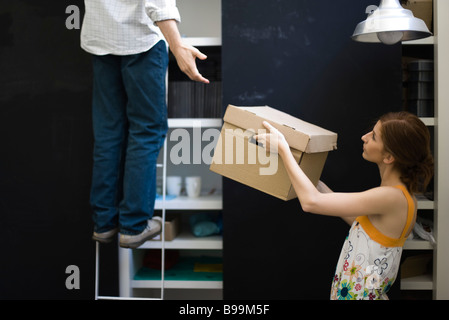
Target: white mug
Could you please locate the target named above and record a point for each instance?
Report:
(193, 186)
(174, 184)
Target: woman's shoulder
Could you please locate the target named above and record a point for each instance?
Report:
(398, 191)
(387, 190)
(390, 198)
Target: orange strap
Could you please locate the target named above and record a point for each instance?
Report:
(378, 236)
(411, 209)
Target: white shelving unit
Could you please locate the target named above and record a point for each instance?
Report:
(205, 202)
(201, 42)
(423, 204)
(438, 281)
(130, 261)
(423, 282)
(192, 123)
(185, 240)
(441, 220)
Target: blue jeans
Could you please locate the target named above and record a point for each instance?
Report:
(129, 116)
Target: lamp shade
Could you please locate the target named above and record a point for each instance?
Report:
(390, 23)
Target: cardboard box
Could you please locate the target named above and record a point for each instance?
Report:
(422, 9)
(238, 157)
(171, 230)
(416, 265)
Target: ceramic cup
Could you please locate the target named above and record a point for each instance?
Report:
(174, 184)
(193, 186)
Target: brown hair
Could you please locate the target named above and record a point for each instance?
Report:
(407, 138)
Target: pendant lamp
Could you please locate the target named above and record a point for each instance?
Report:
(390, 23)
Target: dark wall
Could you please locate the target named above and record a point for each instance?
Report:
(45, 162)
(297, 56)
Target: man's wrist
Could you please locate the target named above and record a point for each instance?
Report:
(170, 31)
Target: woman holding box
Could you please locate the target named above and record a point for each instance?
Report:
(381, 218)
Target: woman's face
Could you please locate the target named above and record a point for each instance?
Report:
(373, 147)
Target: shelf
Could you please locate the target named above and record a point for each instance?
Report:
(187, 240)
(194, 122)
(428, 41)
(428, 121)
(207, 202)
(171, 284)
(183, 274)
(424, 203)
(422, 282)
(202, 41)
(417, 245)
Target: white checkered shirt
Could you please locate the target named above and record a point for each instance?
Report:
(123, 27)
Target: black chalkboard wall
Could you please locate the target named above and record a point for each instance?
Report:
(45, 162)
(297, 56)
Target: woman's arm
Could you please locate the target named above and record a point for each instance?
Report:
(345, 205)
(323, 188)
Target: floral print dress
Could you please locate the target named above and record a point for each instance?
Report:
(369, 260)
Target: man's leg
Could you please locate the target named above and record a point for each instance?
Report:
(110, 129)
(144, 78)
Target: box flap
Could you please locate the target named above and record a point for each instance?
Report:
(299, 134)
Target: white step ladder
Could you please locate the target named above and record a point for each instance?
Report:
(97, 246)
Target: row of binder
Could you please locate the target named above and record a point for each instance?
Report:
(189, 99)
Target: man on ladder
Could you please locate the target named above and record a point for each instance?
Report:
(129, 112)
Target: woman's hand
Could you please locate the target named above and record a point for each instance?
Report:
(273, 140)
